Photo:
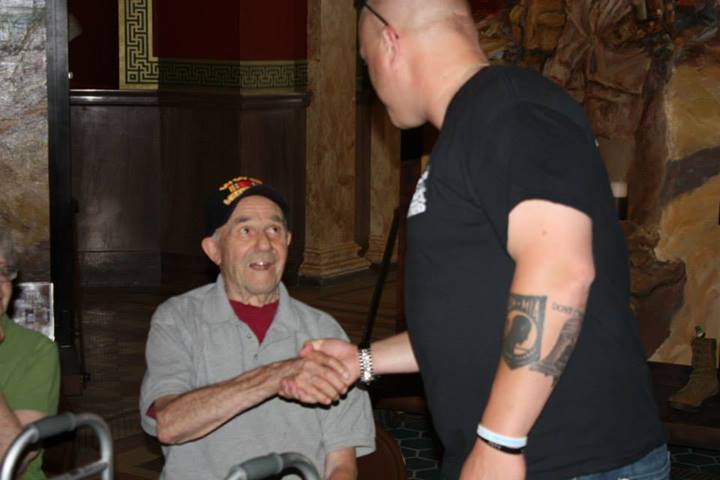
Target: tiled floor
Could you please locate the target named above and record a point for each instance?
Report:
(419, 445)
(115, 324)
(421, 450)
(694, 463)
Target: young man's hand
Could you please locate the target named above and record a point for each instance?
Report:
(487, 463)
(314, 377)
(340, 355)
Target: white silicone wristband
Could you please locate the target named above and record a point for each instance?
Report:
(510, 442)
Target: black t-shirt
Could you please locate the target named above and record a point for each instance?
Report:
(510, 135)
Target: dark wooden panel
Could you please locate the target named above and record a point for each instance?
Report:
(120, 268)
(144, 164)
(199, 151)
(272, 148)
(116, 172)
(196, 99)
(363, 128)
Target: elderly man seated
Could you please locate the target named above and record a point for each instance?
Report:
(216, 356)
(29, 370)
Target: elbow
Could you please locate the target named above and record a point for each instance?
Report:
(342, 472)
(584, 275)
(571, 275)
(164, 430)
(574, 277)
(578, 280)
(164, 435)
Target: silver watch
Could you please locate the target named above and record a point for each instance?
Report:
(367, 374)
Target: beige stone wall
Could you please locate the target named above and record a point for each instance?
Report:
(384, 179)
(688, 228)
(692, 108)
(689, 231)
(24, 194)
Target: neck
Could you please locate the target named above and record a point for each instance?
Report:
(448, 84)
(255, 300)
(239, 294)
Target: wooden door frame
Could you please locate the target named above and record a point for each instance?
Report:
(62, 211)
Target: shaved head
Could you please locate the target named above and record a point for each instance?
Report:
(422, 14)
(418, 54)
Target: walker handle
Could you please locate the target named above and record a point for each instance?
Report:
(262, 467)
(50, 426)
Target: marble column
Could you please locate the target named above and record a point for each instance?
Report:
(24, 188)
(384, 179)
(330, 249)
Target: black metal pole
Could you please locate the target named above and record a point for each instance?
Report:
(380, 284)
(62, 268)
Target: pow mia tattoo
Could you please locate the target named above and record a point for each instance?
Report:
(523, 330)
(554, 363)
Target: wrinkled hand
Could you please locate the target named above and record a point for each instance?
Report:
(487, 463)
(313, 378)
(342, 352)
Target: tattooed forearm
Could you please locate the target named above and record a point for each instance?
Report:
(554, 363)
(567, 310)
(523, 330)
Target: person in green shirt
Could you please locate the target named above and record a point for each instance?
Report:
(29, 371)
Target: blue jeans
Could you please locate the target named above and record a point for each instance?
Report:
(653, 466)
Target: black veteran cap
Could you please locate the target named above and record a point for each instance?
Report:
(223, 201)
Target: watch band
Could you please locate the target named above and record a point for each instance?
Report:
(503, 448)
(365, 359)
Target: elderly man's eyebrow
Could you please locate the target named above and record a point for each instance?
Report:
(244, 219)
(241, 219)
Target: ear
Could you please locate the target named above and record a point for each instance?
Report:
(289, 238)
(212, 250)
(390, 43)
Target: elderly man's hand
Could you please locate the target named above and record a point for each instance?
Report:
(344, 351)
(340, 351)
(313, 378)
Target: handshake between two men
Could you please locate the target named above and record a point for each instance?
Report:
(345, 363)
(324, 371)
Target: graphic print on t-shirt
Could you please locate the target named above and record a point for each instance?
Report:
(417, 205)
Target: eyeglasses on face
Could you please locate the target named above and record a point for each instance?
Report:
(359, 4)
(8, 273)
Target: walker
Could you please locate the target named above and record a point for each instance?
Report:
(49, 427)
(253, 469)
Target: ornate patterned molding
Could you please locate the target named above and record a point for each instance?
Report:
(139, 69)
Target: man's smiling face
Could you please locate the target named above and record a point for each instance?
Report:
(251, 250)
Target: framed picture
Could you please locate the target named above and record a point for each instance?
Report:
(33, 307)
